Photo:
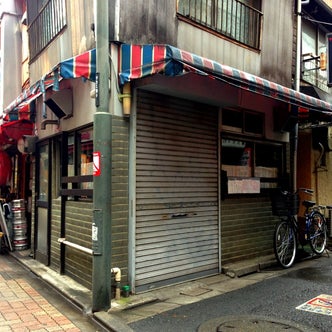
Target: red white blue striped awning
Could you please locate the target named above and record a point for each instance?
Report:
(82, 65)
(138, 61)
(26, 97)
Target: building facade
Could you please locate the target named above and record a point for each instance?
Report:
(203, 111)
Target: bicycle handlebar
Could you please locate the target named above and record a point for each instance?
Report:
(305, 190)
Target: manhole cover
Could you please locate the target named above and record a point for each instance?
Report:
(251, 324)
(255, 325)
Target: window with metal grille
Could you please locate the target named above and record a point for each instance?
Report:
(235, 19)
(313, 45)
(46, 19)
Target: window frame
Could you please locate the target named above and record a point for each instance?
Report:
(313, 44)
(75, 185)
(209, 14)
(242, 127)
(235, 166)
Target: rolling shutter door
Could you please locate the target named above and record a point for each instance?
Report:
(247, 228)
(176, 190)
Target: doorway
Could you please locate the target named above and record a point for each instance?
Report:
(43, 191)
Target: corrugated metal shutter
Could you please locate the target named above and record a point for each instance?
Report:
(247, 227)
(176, 190)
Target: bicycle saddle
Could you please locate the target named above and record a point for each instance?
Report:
(308, 204)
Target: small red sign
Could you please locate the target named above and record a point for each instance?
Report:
(96, 164)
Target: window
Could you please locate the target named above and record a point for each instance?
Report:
(43, 172)
(46, 18)
(249, 159)
(243, 121)
(80, 161)
(80, 152)
(235, 19)
(313, 44)
(253, 123)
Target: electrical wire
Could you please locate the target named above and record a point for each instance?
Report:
(315, 21)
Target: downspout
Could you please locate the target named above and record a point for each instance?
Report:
(9, 13)
(117, 20)
(117, 278)
(102, 179)
(295, 131)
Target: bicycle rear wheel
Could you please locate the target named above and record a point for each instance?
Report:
(285, 243)
(317, 233)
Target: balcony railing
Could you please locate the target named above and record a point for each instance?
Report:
(312, 71)
(46, 26)
(231, 18)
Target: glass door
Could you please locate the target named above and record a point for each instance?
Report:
(43, 188)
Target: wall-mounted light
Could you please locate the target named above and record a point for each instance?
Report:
(322, 62)
(125, 97)
(313, 62)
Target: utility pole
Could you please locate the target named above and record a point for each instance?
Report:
(101, 226)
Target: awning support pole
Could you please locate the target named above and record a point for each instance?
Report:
(101, 226)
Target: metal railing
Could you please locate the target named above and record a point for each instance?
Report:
(312, 72)
(231, 18)
(46, 26)
(63, 240)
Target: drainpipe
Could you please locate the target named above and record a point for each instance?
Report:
(117, 277)
(101, 225)
(295, 132)
(117, 20)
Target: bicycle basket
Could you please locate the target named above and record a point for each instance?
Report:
(285, 204)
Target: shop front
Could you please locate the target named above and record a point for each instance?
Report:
(209, 143)
(193, 165)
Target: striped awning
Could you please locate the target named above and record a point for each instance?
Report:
(138, 61)
(83, 65)
(26, 97)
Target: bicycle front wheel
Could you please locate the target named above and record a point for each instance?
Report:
(285, 243)
(317, 233)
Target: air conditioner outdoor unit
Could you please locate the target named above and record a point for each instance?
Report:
(61, 103)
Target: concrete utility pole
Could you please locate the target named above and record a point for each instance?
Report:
(101, 227)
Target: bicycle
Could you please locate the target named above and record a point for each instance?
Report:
(287, 233)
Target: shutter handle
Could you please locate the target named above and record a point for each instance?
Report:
(179, 215)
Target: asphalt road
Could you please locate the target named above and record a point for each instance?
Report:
(275, 298)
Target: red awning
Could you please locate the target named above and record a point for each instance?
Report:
(16, 129)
